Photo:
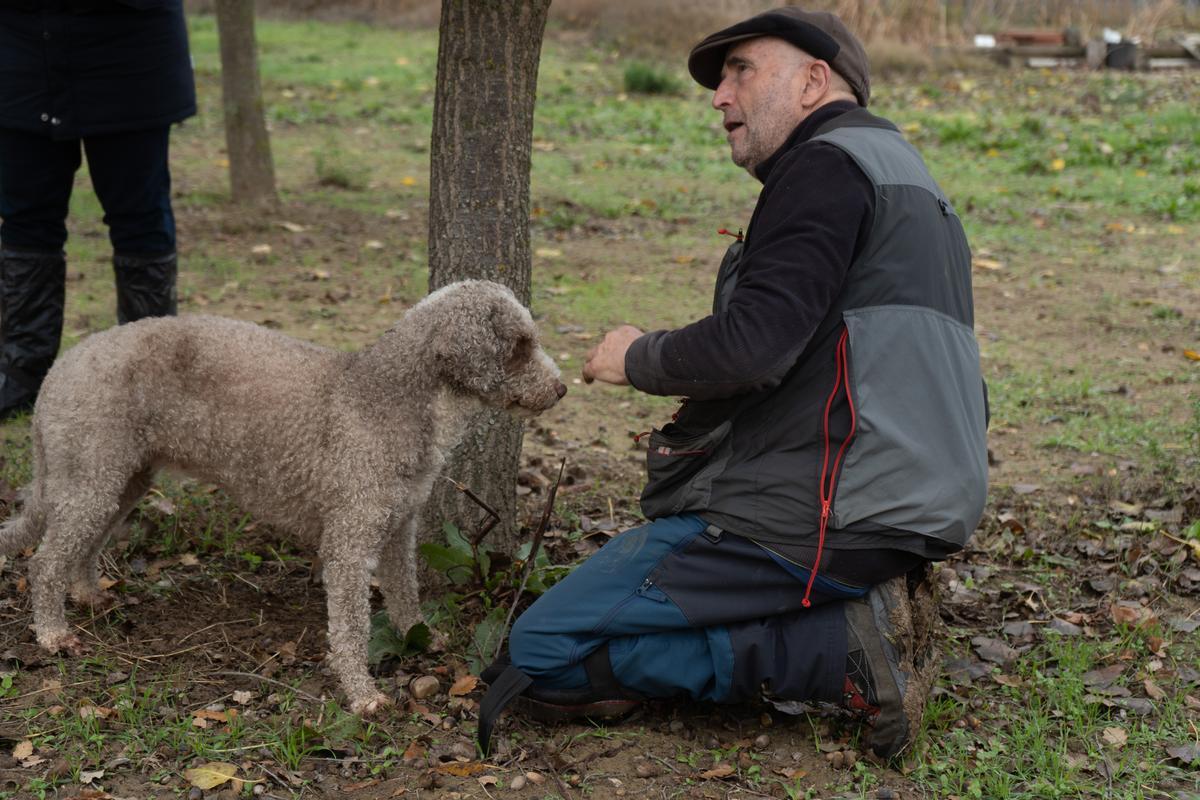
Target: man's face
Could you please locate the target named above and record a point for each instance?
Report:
(760, 96)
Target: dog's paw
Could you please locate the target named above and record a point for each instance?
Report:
(371, 704)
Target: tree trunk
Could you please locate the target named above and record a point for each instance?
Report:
(488, 53)
(251, 171)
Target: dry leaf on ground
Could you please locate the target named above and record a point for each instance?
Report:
(1114, 737)
(464, 685)
(210, 776)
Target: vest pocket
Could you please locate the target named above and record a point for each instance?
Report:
(673, 462)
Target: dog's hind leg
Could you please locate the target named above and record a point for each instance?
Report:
(397, 575)
(85, 573)
(72, 525)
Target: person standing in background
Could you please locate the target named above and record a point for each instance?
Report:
(105, 79)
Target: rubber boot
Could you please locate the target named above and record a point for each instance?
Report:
(145, 286)
(32, 292)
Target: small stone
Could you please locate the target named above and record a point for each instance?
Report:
(676, 726)
(424, 687)
(713, 743)
(646, 769)
(259, 789)
(762, 742)
(884, 793)
(851, 757)
(836, 759)
(195, 794)
(536, 778)
(518, 783)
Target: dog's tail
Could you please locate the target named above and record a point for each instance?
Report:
(26, 529)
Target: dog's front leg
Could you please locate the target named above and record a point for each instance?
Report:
(347, 574)
(397, 575)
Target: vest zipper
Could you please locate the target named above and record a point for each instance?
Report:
(829, 476)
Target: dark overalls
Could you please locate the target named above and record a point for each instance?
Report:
(99, 78)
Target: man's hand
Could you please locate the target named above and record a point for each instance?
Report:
(606, 361)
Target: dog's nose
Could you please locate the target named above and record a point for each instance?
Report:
(560, 389)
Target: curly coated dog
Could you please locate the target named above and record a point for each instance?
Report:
(338, 448)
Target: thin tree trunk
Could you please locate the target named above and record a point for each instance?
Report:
(488, 53)
(251, 171)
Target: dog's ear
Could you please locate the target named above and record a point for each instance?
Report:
(513, 334)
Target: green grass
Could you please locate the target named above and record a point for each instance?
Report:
(1045, 738)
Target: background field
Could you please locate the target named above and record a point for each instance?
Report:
(1071, 653)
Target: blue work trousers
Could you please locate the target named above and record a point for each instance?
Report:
(688, 610)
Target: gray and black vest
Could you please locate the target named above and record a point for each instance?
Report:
(882, 421)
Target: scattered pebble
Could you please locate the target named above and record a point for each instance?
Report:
(424, 687)
(259, 789)
(762, 742)
(195, 794)
(518, 783)
(884, 793)
(536, 778)
(646, 769)
(676, 725)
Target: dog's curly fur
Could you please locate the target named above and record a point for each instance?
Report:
(340, 449)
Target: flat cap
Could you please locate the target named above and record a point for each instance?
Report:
(819, 33)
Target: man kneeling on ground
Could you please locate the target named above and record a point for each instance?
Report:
(832, 440)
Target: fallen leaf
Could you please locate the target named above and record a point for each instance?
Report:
(414, 752)
(1187, 753)
(1104, 677)
(460, 770)
(719, 771)
(988, 264)
(1114, 737)
(89, 775)
(1134, 615)
(23, 750)
(210, 776)
(294, 227)
(1191, 355)
(354, 787)
(241, 696)
(464, 685)
(994, 650)
(488, 780)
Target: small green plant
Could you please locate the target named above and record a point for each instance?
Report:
(641, 78)
(340, 170)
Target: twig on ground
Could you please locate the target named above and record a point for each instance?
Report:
(265, 679)
(215, 624)
(532, 557)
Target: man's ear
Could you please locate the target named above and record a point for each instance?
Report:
(818, 83)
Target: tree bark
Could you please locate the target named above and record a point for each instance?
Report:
(251, 170)
(488, 52)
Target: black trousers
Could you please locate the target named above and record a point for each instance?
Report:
(129, 173)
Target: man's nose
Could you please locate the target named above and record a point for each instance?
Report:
(722, 96)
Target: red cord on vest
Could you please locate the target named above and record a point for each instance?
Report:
(830, 476)
(725, 232)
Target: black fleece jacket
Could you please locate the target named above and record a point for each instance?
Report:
(812, 217)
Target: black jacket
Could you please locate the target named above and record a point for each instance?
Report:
(76, 68)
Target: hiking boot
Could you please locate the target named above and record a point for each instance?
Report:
(889, 669)
(602, 698)
(565, 705)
